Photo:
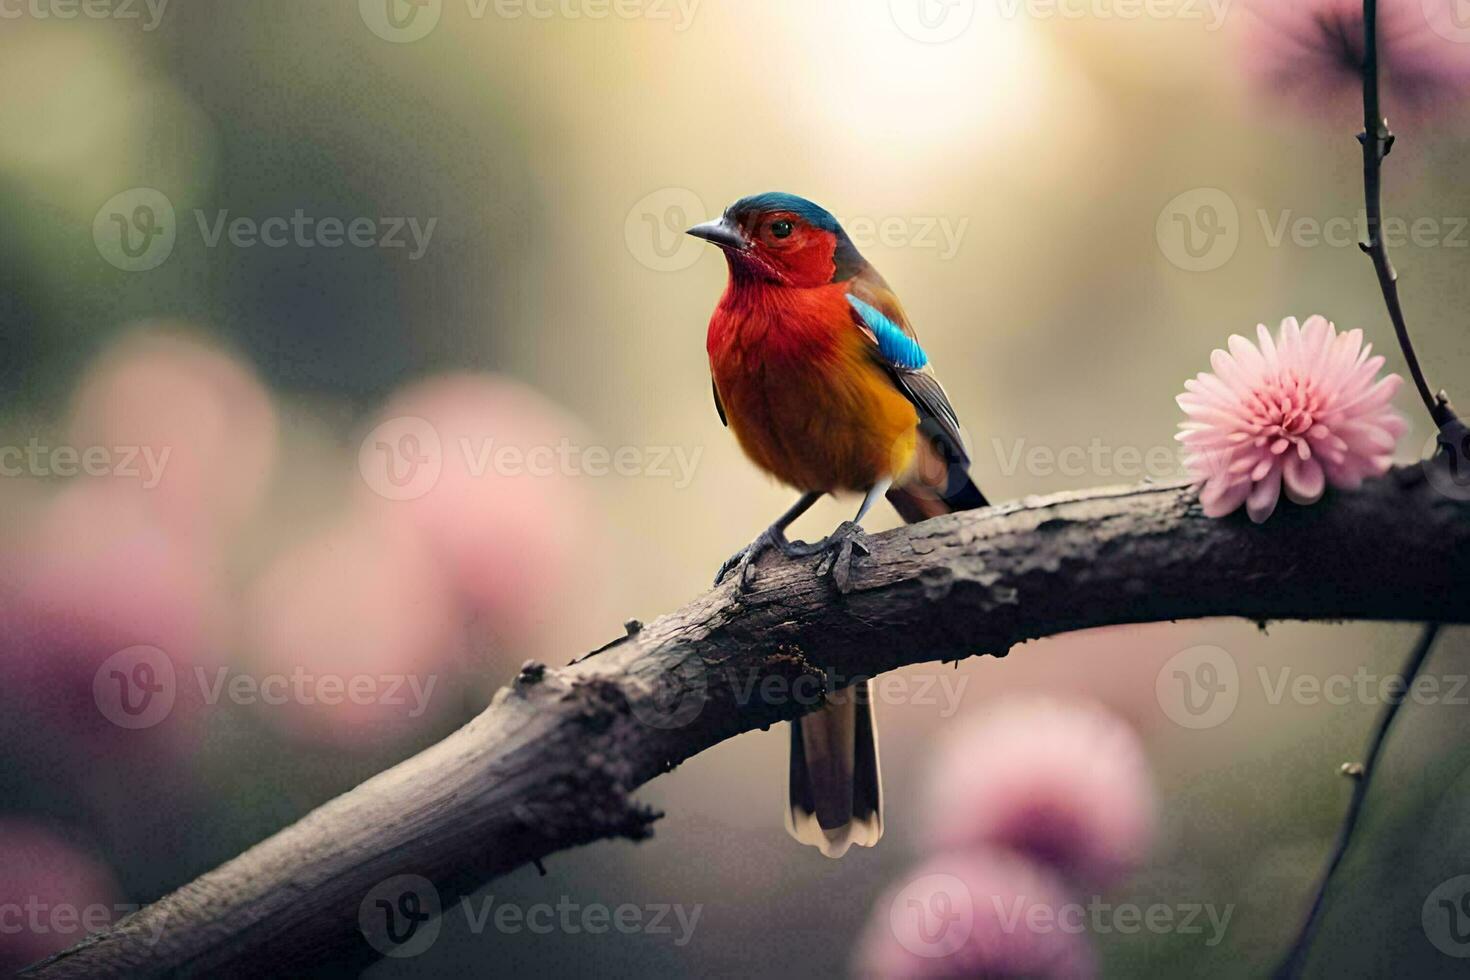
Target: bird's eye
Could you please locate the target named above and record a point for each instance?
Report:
(781, 229)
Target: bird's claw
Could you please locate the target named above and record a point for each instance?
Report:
(745, 558)
(838, 549)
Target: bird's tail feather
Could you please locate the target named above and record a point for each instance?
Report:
(836, 797)
(940, 484)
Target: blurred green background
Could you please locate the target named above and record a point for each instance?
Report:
(1032, 186)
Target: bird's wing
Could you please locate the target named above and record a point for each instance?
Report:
(876, 311)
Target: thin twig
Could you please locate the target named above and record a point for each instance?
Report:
(1361, 774)
(1377, 141)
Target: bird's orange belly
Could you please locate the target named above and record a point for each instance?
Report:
(821, 426)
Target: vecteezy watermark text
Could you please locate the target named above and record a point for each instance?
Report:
(37, 459)
(677, 696)
(1200, 230)
(137, 10)
(653, 230)
(137, 229)
(571, 918)
(305, 231)
(1100, 917)
(942, 689)
(403, 458)
(137, 687)
(406, 21)
(1201, 686)
(39, 917)
(1210, 12)
(305, 687)
(1096, 458)
(399, 917)
(933, 916)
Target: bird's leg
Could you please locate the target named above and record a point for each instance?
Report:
(772, 537)
(845, 530)
(837, 548)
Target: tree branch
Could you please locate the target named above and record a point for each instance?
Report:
(551, 762)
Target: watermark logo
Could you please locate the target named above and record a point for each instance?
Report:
(401, 21)
(674, 698)
(932, 21)
(402, 458)
(1198, 687)
(1446, 917)
(135, 688)
(135, 230)
(1198, 230)
(933, 915)
(399, 917)
(655, 225)
(138, 687)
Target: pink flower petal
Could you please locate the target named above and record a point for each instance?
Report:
(1263, 497)
(1305, 480)
(1227, 500)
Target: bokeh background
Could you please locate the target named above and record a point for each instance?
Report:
(1076, 203)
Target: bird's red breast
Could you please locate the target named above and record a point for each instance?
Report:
(802, 391)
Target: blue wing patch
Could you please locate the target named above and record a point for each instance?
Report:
(897, 347)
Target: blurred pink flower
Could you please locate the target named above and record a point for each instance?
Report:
(1305, 410)
(1311, 52)
(1065, 783)
(982, 913)
(53, 891)
(194, 423)
(506, 517)
(355, 627)
(98, 575)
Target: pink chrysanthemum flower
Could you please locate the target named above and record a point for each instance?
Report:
(1300, 412)
(1310, 52)
(1065, 783)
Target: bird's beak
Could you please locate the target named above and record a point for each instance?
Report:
(721, 231)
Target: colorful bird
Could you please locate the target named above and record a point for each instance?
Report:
(820, 376)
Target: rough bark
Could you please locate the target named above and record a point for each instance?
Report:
(551, 763)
